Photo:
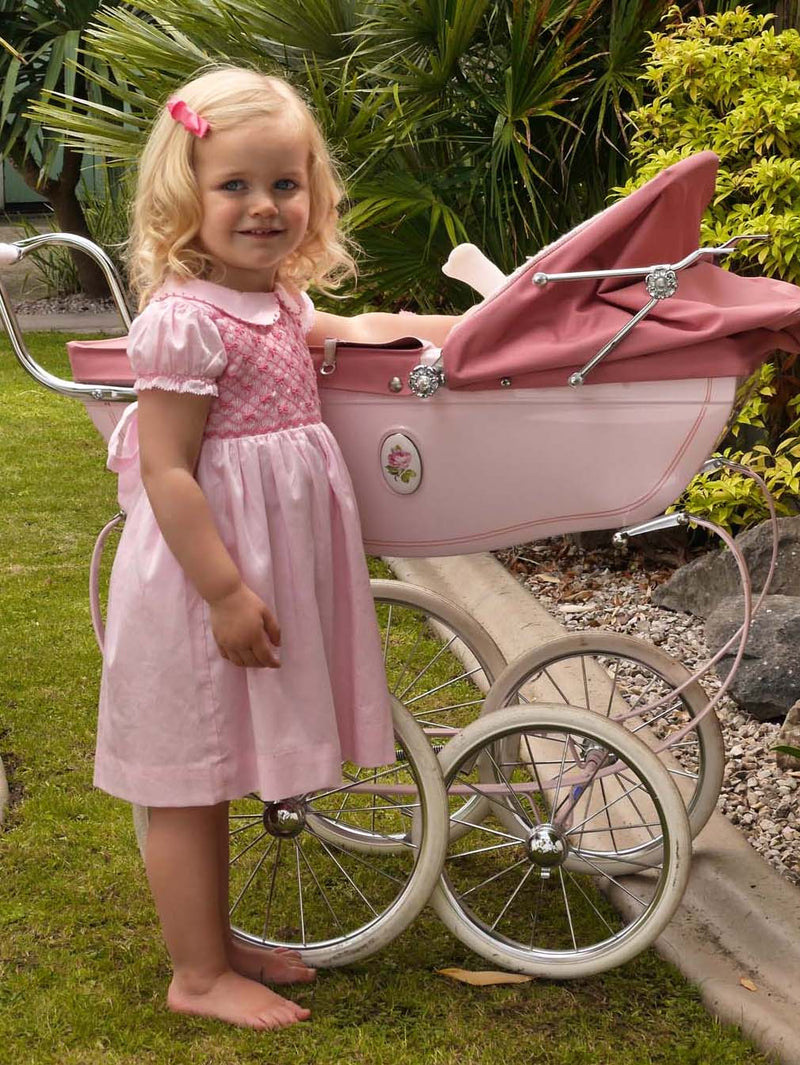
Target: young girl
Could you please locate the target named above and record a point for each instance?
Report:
(241, 649)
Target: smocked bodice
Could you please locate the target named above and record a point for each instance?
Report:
(269, 381)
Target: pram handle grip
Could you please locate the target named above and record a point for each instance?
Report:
(11, 253)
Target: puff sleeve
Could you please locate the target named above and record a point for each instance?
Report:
(175, 345)
(307, 312)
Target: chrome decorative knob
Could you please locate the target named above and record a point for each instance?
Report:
(425, 380)
(661, 283)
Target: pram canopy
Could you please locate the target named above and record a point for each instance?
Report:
(716, 325)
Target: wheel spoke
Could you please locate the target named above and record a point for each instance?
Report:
(408, 660)
(271, 894)
(556, 685)
(359, 861)
(483, 850)
(241, 853)
(615, 880)
(252, 876)
(535, 914)
(347, 877)
(566, 908)
(587, 701)
(536, 816)
(300, 893)
(608, 815)
(624, 777)
(320, 888)
(619, 798)
(387, 635)
(513, 895)
(484, 795)
(491, 879)
(431, 662)
(445, 684)
(503, 777)
(577, 884)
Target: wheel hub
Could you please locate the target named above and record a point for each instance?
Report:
(546, 846)
(284, 819)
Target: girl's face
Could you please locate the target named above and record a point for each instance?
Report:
(253, 184)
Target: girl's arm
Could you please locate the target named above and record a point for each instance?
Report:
(171, 428)
(379, 328)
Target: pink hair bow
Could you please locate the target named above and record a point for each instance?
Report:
(188, 118)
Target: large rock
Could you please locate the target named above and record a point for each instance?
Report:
(701, 585)
(789, 736)
(767, 681)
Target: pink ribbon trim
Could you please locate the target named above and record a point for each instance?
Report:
(188, 118)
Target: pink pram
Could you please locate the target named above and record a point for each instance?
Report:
(573, 398)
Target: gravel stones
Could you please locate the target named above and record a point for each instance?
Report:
(77, 304)
(761, 799)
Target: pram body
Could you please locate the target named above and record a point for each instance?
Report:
(508, 451)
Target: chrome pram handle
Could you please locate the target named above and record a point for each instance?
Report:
(15, 252)
(661, 282)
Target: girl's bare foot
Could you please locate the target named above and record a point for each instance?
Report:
(233, 998)
(277, 966)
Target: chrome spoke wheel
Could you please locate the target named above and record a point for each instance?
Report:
(310, 873)
(439, 664)
(628, 680)
(532, 888)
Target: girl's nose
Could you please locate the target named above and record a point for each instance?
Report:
(263, 205)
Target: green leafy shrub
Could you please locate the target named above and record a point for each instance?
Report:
(728, 82)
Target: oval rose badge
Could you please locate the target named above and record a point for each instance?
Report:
(401, 463)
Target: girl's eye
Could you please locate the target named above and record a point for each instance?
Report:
(234, 185)
(285, 184)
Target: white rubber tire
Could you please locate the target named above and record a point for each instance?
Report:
(702, 803)
(643, 930)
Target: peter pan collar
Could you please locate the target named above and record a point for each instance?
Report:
(257, 308)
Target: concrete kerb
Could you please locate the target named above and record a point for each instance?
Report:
(739, 920)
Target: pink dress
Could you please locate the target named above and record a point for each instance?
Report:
(179, 725)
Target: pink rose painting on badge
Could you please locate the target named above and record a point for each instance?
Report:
(398, 462)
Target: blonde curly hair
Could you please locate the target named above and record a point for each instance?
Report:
(167, 212)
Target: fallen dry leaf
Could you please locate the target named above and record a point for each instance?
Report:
(485, 977)
(748, 984)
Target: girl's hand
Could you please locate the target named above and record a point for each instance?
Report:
(245, 629)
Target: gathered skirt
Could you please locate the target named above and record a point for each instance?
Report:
(181, 726)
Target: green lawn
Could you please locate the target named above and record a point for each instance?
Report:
(82, 970)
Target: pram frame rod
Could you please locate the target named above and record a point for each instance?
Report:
(541, 279)
(106, 393)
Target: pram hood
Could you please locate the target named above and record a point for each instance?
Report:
(716, 325)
